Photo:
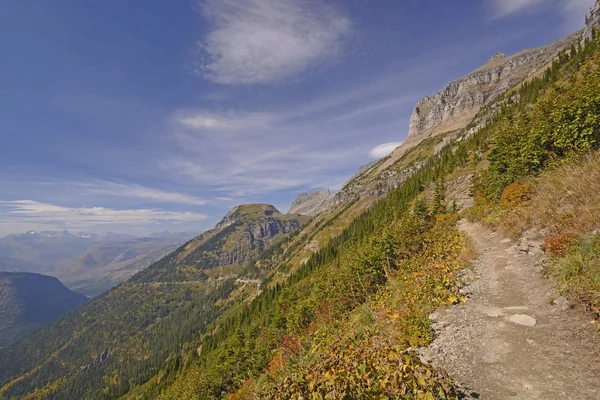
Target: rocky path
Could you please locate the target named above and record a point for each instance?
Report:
(515, 338)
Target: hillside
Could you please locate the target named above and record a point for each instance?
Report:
(28, 301)
(442, 118)
(279, 306)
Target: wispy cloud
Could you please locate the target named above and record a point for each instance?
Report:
(139, 192)
(572, 11)
(211, 121)
(383, 149)
(52, 215)
(265, 41)
(503, 8)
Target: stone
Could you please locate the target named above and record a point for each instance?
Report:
(497, 56)
(494, 313)
(522, 319)
(490, 358)
(313, 203)
(562, 302)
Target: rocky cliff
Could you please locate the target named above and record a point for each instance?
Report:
(312, 203)
(592, 21)
(457, 104)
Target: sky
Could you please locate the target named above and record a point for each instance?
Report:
(144, 116)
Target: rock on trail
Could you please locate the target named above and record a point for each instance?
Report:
(512, 339)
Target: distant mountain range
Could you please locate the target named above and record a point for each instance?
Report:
(86, 262)
(28, 301)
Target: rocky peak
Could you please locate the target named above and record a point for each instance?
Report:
(312, 203)
(496, 56)
(247, 211)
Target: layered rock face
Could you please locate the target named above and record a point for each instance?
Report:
(457, 104)
(243, 231)
(312, 203)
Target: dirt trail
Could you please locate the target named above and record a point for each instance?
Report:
(510, 339)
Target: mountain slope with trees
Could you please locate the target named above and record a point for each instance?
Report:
(28, 301)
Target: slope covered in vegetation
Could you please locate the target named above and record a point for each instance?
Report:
(28, 301)
(324, 333)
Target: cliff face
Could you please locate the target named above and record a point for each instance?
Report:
(593, 21)
(457, 104)
(312, 203)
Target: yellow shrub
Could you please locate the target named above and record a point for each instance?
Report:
(516, 195)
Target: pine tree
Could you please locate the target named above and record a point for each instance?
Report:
(439, 196)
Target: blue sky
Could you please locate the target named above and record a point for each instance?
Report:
(141, 116)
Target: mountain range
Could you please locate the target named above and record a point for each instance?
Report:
(86, 262)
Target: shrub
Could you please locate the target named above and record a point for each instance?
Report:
(577, 272)
(557, 244)
(516, 195)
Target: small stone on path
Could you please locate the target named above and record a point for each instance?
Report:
(522, 319)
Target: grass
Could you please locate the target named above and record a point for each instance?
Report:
(564, 201)
(577, 272)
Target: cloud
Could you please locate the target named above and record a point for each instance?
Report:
(265, 41)
(383, 149)
(503, 8)
(572, 11)
(201, 120)
(35, 212)
(140, 192)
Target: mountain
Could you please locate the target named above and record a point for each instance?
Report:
(44, 251)
(312, 203)
(243, 233)
(86, 262)
(107, 264)
(268, 305)
(441, 118)
(182, 236)
(28, 301)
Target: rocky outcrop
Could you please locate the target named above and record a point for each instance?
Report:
(312, 203)
(455, 106)
(243, 211)
(592, 21)
(255, 236)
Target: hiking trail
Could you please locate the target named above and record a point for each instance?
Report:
(515, 337)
